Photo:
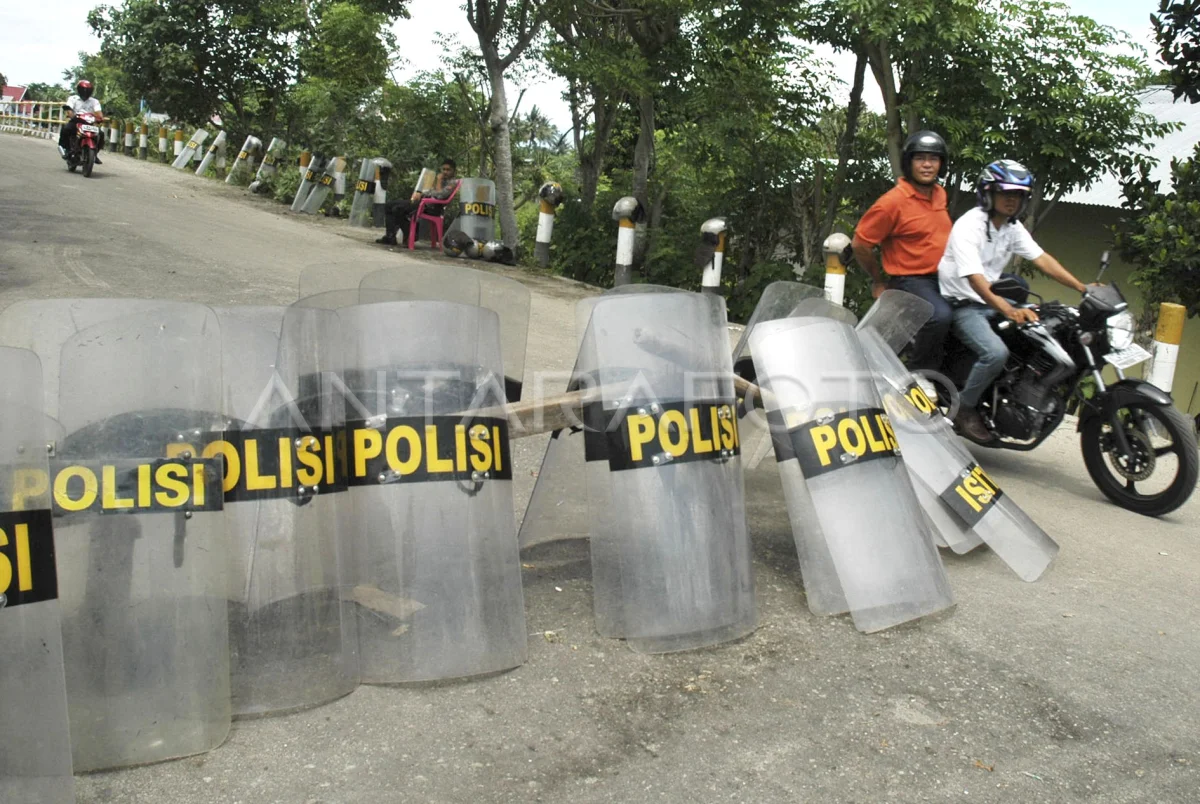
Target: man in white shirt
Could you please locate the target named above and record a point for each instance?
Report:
(79, 103)
(981, 244)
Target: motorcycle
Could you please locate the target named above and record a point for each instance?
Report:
(85, 144)
(1130, 431)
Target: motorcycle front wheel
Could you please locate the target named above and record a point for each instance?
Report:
(89, 161)
(1159, 473)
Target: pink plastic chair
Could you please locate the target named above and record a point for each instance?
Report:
(435, 221)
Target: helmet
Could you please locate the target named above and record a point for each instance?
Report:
(84, 89)
(923, 142)
(1004, 174)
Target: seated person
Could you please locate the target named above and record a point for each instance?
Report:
(981, 244)
(400, 212)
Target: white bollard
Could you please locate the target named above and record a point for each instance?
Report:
(626, 212)
(1167, 336)
(835, 269)
(550, 197)
(712, 235)
(178, 148)
(143, 141)
(162, 143)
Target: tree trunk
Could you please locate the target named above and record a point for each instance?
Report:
(502, 151)
(643, 152)
(846, 145)
(881, 66)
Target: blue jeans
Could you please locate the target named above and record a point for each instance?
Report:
(973, 327)
(928, 345)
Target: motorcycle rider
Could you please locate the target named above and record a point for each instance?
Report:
(79, 103)
(981, 244)
(910, 224)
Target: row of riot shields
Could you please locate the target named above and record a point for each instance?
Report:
(255, 509)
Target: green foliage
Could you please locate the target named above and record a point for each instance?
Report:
(1160, 233)
(45, 92)
(1177, 32)
(110, 82)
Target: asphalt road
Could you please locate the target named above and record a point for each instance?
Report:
(1079, 687)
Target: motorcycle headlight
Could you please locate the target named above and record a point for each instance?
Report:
(1120, 331)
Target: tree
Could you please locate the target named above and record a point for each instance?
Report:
(1177, 32)
(45, 92)
(512, 29)
(109, 82)
(1160, 234)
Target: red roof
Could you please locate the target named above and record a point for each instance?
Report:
(12, 93)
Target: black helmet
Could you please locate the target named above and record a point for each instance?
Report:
(923, 142)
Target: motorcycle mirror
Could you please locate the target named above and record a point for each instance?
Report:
(1103, 265)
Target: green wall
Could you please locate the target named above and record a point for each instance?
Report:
(1076, 235)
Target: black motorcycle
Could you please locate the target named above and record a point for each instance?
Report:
(1138, 448)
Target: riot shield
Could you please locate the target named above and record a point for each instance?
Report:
(670, 551)
(35, 762)
(142, 555)
(189, 151)
(965, 503)
(508, 298)
(269, 164)
(218, 145)
(245, 158)
(897, 316)
(364, 195)
(859, 530)
(324, 185)
(307, 183)
(291, 644)
(437, 579)
(477, 216)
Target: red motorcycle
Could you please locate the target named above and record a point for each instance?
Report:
(85, 144)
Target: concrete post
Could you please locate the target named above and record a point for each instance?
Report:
(144, 141)
(712, 236)
(550, 196)
(627, 212)
(835, 269)
(129, 138)
(162, 143)
(178, 144)
(1167, 336)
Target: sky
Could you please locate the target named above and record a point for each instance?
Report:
(40, 40)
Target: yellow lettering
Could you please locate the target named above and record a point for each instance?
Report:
(846, 428)
(985, 479)
(737, 433)
(970, 500)
(330, 476)
(368, 444)
(309, 473)
(90, 488)
(6, 569)
(673, 418)
(108, 485)
(24, 570)
(482, 461)
(824, 439)
(199, 492)
(28, 483)
(641, 432)
(972, 484)
(170, 478)
(285, 463)
(498, 454)
(920, 400)
(727, 433)
(414, 450)
(436, 464)
(699, 444)
(891, 434)
(460, 448)
(143, 482)
(255, 481)
(875, 444)
(233, 462)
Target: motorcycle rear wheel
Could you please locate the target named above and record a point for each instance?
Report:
(1117, 477)
(89, 161)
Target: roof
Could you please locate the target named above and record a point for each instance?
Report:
(8, 93)
(1158, 103)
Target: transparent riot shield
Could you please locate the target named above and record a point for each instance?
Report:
(508, 298)
(670, 551)
(291, 645)
(218, 146)
(962, 499)
(364, 195)
(896, 316)
(269, 164)
(194, 144)
(324, 185)
(307, 183)
(477, 216)
(143, 562)
(35, 762)
(437, 579)
(859, 529)
(244, 162)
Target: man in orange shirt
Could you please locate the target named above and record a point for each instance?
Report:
(910, 224)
